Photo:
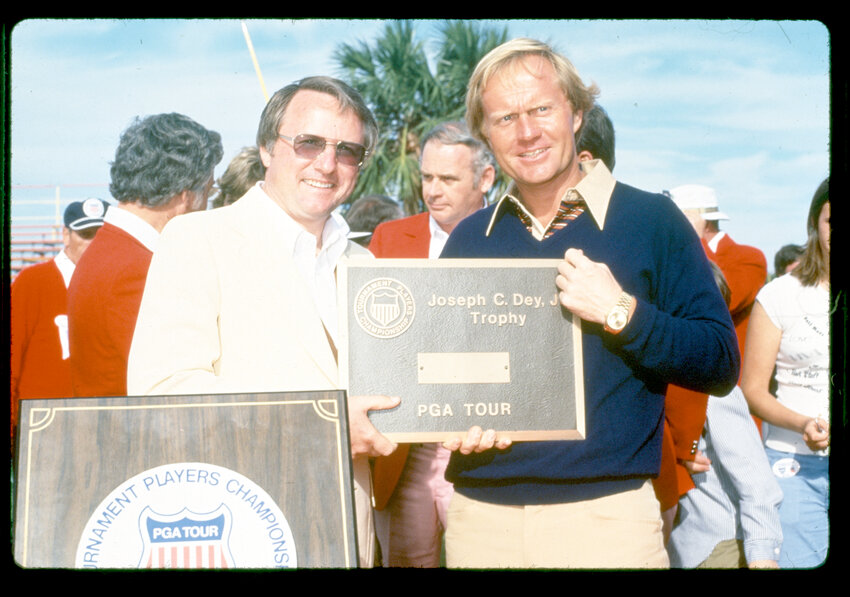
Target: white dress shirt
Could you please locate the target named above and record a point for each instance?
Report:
(317, 266)
(65, 266)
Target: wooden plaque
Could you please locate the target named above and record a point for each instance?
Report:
(462, 342)
(217, 481)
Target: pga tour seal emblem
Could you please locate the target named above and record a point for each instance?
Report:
(187, 516)
(384, 308)
(186, 539)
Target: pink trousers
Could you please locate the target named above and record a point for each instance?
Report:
(410, 529)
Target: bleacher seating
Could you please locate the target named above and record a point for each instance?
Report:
(32, 244)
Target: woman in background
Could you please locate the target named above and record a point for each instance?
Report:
(789, 328)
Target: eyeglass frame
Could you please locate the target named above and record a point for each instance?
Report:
(335, 142)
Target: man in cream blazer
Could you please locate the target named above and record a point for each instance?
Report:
(241, 299)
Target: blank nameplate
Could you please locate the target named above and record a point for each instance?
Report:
(464, 367)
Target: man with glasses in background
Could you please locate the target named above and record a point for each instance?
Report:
(242, 299)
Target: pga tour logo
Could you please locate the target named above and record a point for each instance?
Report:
(384, 308)
(187, 515)
(186, 539)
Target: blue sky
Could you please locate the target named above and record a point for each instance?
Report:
(742, 106)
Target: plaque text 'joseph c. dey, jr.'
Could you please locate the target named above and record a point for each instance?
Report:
(498, 300)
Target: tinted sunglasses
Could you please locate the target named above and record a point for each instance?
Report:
(312, 146)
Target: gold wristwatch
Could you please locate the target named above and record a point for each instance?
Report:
(618, 317)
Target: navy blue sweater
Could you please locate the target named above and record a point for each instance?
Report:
(680, 333)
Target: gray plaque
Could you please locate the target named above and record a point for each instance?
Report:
(462, 342)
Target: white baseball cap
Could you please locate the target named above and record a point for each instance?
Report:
(702, 198)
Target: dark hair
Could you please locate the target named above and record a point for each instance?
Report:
(242, 173)
(596, 135)
(814, 265)
(785, 256)
(368, 211)
(161, 156)
(348, 98)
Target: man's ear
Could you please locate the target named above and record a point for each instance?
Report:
(585, 156)
(488, 177)
(265, 157)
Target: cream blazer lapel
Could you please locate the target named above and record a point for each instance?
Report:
(263, 248)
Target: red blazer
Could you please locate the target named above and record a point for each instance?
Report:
(684, 418)
(103, 303)
(745, 270)
(39, 364)
(404, 238)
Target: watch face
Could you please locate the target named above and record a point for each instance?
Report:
(617, 320)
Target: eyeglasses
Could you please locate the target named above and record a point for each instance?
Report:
(312, 146)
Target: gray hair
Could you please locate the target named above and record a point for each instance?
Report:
(456, 133)
(348, 98)
(161, 156)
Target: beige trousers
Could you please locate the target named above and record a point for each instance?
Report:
(726, 554)
(621, 531)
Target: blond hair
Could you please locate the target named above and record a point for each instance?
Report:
(581, 97)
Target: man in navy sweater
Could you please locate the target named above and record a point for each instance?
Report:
(635, 273)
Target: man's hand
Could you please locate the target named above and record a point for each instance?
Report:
(477, 440)
(588, 289)
(700, 464)
(365, 439)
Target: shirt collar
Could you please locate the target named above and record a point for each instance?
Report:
(436, 231)
(438, 238)
(715, 240)
(595, 188)
(300, 242)
(65, 265)
(132, 225)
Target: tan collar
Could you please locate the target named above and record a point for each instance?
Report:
(595, 188)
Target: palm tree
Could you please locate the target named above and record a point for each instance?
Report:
(408, 99)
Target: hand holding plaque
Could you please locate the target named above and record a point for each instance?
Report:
(365, 439)
(477, 440)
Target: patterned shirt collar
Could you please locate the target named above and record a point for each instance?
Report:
(593, 192)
